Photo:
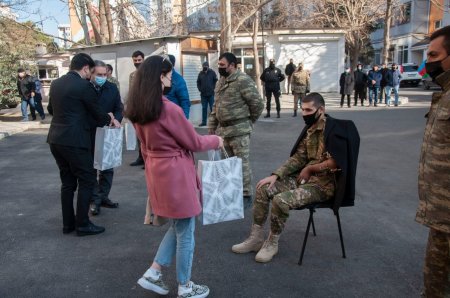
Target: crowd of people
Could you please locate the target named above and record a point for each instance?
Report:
(158, 107)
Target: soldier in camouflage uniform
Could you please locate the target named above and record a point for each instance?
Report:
(110, 78)
(138, 58)
(300, 86)
(237, 106)
(306, 177)
(434, 171)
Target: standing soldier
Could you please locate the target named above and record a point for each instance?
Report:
(237, 106)
(289, 70)
(138, 58)
(300, 86)
(434, 170)
(110, 78)
(272, 77)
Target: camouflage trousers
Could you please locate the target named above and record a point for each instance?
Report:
(240, 146)
(284, 194)
(437, 265)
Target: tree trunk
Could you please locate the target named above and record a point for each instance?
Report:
(255, 53)
(82, 18)
(228, 36)
(109, 22)
(354, 55)
(93, 19)
(386, 35)
(102, 22)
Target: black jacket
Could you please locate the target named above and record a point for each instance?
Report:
(360, 80)
(206, 82)
(72, 100)
(290, 68)
(342, 142)
(272, 78)
(384, 72)
(26, 86)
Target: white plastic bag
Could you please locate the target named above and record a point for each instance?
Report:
(108, 148)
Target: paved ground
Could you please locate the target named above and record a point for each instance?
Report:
(385, 247)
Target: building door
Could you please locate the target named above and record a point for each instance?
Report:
(191, 66)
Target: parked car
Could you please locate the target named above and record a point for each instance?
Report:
(410, 75)
(428, 83)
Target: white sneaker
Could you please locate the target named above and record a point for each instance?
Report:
(154, 284)
(191, 290)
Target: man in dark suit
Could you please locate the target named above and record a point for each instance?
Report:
(110, 102)
(72, 101)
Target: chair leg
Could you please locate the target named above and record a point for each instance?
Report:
(313, 226)
(340, 234)
(305, 239)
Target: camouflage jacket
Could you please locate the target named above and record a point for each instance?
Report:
(311, 151)
(300, 81)
(434, 165)
(237, 105)
(114, 81)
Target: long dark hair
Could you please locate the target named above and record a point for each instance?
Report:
(144, 102)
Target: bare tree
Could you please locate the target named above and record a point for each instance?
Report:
(358, 18)
(386, 33)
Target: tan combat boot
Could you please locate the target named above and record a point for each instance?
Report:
(252, 243)
(268, 250)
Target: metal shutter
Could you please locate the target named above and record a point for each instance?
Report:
(192, 65)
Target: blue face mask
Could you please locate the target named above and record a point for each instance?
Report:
(100, 80)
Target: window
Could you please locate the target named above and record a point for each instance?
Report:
(48, 73)
(377, 57)
(410, 68)
(402, 54)
(437, 24)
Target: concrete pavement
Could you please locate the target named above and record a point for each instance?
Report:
(385, 247)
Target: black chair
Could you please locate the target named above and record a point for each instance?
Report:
(312, 208)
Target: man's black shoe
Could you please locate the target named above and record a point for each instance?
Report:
(137, 162)
(89, 229)
(68, 229)
(95, 209)
(109, 204)
(202, 124)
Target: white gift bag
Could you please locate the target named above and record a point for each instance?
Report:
(108, 148)
(130, 136)
(222, 189)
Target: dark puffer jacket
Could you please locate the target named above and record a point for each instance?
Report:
(272, 78)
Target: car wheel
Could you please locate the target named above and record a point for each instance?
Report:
(415, 84)
(426, 86)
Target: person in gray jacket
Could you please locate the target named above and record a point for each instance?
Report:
(347, 84)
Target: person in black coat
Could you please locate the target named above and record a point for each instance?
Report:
(289, 70)
(271, 77)
(26, 89)
(206, 83)
(384, 71)
(110, 102)
(360, 85)
(72, 100)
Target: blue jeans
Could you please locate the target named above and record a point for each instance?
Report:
(24, 105)
(388, 94)
(206, 100)
(373, 91)
(179, 241)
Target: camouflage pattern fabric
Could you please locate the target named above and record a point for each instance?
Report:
(437, 265)
(300, 98)
(237, 106)
(240, 146)
(434, 166)
(286, 193)
(114, 81)
(300, 81)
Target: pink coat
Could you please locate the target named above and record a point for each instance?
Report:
(167, 146)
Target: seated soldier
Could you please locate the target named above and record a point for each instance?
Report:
(308, 176)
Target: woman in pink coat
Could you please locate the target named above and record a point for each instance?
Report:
(168, 141)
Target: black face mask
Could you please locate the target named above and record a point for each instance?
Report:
(434, 69)
(167, 90)
(137, 65)
(272, 66)
(311, 119)
(205, 68)
(223, 72)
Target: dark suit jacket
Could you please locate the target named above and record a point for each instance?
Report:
(72, 101)
(342, 142)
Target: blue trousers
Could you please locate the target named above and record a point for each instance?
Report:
(206, 100)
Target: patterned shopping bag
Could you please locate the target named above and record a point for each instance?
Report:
(130, 136)
(108, 148)
(222, 190)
